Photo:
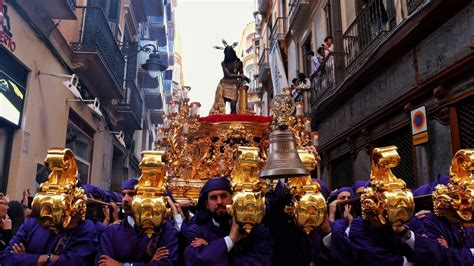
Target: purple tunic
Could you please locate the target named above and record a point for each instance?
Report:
(459, 252)
(382, 246)
(124, 244)
(76, 246)
(99, 228)
(340, 251)
(255, 249)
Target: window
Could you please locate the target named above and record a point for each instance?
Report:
(249, 41)
(327, 10)
(341, 172)
(304, 50)
(80, 141)
(465, 112)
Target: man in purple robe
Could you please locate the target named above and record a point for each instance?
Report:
(36, 245)
(326, 245)
(401, 245)
(215, 238)
(95, 211)
(456, 241)
(358, 188)
(123, 243)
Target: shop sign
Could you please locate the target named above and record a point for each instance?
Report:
(6, 36)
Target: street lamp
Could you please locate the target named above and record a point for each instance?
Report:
(153, 64)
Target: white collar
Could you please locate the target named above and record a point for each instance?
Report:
(215, 223)
(130, 220)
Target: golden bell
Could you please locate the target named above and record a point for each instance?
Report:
(283, 159)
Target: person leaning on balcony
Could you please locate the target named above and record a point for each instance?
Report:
(320, 55)
(328, 45)
(296, 96)
(315, 63)
(304, 87)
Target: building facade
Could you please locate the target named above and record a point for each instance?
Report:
(388, 58)
(71, 77)
(246, 53)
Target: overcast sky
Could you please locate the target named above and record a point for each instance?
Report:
(202, 24)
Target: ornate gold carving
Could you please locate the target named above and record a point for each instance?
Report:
(387, 201)
(283, 109)
(248, 199)
(59, 204)
(308, 208)
(456, 200)
(149, 204)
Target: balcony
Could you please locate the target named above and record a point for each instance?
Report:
(279, 30)
(139, 10)
(298, 12)
(153, 98)
(368, 30)
(254, 87)
(130, 108)
(264, 66)
(323, 84)
(156, 116)
(98, 56)
(255, 90)
(154, 7)
(413, 4)
(55, 9)
(158, 29)
(167, 80)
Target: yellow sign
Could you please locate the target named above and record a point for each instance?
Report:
(420, 138)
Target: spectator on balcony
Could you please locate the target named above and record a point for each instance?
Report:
(320, 55)
(304, 88)
(296, 96)
(328, 62)
(328, 45)
(315, 63)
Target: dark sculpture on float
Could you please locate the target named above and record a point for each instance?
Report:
(233, 81)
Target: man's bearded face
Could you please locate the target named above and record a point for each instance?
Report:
(216, 204)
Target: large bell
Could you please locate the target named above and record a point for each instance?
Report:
(283, 159)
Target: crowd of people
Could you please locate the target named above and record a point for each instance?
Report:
(206, 234)
(322, 74)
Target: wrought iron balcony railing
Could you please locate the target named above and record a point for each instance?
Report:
(295, 5)
(413, 4)
(323, 83)
(279, 29)
(264, 65)
(132, 61)
(132, 101)
(96, 36)
(263, 59)
(368, 29)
